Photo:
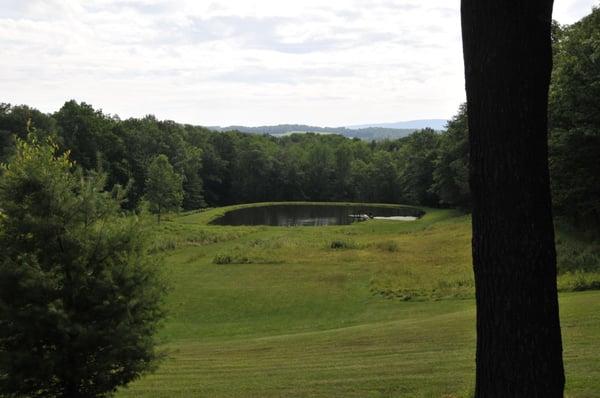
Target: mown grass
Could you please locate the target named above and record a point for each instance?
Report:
(374, 309)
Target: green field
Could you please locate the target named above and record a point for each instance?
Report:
(277, 312)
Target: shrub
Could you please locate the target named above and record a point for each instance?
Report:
(342, 244)
(231, 259)
(389, 246)
(579, 281)
(573, 256)
(222, 259)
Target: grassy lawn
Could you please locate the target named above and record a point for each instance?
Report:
(390, 314)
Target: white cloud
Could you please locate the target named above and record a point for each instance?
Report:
(569, 11)
(240, 62)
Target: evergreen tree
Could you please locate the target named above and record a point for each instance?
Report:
(80, 299)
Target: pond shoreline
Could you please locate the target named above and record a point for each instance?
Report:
(313, 214)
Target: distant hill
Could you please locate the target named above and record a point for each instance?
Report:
(436, 124)
(367, 133)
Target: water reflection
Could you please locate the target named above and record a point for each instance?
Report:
(314, 215)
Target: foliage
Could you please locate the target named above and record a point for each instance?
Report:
(219, 168)
(86, 133)
(80, 300)
(579, 281)
(575, 121)
(223, 258)
(164, 189)
(16, 122)
(417, 162)
(342, 245)
(451, 173)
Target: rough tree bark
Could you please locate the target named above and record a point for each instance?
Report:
(508, 60)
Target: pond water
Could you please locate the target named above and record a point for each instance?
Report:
(314, 215)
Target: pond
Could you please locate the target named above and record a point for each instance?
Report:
(283, 215)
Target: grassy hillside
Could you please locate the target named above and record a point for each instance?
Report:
(389, 313)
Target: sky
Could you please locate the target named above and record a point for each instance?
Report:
(241, 62)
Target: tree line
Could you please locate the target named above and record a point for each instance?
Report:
(221, 168)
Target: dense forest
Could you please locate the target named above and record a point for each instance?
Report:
(427, 167)
(219, 168)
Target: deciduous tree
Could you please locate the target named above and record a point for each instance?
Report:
(575, 122)
(508, 61)
(164, 189)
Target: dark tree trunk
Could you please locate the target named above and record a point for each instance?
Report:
(508, 60)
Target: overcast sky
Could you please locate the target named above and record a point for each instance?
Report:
(327, 63)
